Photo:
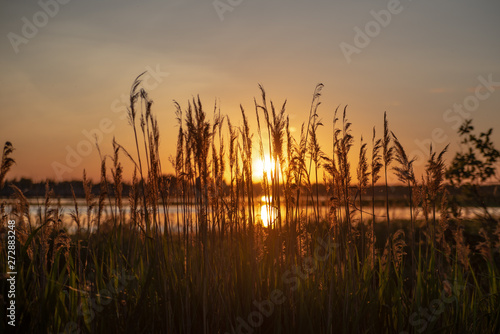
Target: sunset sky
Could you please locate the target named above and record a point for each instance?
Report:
(67, 64)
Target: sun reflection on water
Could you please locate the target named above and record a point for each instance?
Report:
(267, 213)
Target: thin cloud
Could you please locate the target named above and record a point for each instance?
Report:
(482, 89)
(440, 90)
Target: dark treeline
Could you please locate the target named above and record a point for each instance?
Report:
(398, 193)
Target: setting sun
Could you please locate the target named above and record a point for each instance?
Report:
(261, 166)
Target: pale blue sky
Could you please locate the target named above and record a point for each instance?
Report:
(65, 78)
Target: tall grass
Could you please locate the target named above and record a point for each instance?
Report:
(211, 267)
(7, 162)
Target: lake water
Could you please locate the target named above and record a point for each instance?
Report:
(263, 212)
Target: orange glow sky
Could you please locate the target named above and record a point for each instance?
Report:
(69, 76)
